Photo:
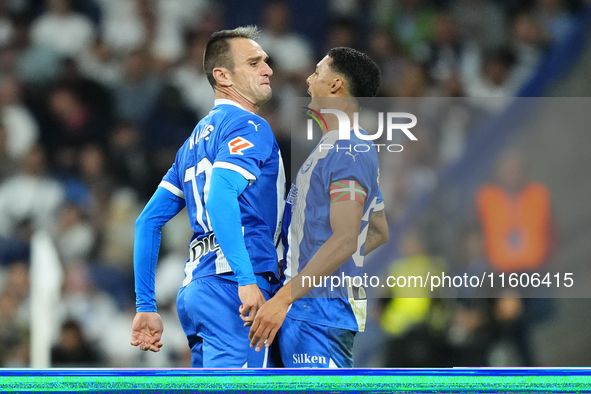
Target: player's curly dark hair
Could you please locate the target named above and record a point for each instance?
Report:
(217, 51)
(362, 74)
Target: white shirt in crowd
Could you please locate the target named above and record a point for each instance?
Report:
(69, 34)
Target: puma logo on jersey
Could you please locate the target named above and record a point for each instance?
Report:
(256, 126)
(238, 145)
(352, 155)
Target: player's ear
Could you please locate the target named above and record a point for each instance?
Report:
(222, 76)
(336, 85)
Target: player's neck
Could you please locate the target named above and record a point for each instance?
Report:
(233, 95)
(349, 107)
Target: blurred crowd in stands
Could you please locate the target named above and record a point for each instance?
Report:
(96, 96)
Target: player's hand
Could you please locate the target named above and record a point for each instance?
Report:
(146, 331)
(252, 299)
(267, 322)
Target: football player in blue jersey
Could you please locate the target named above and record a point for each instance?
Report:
(229, 175)
(334, 216)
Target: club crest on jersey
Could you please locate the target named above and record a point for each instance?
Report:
(307, 165)
(239, 145)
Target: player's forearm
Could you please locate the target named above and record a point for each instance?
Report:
(345, 221)
(224, 212)
(162, 207)
(377, 233)
(335, 251)
(145, 256)
(375, 238)
(374, 241)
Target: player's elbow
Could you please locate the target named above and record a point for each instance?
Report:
(351, 247)
(384, 236)
(140, 222)
(147, 221)
(378, 227)
(145, 225)
(348, 243)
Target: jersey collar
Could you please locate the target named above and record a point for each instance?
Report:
(226, 101)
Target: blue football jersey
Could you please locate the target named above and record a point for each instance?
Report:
(306, 227)
(232, 138)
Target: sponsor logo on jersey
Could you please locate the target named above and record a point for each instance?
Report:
(305, 359)
(199, 248)
(239, 145)
(292, 196)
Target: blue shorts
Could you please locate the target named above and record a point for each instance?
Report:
(208, 311)
(310, 345)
